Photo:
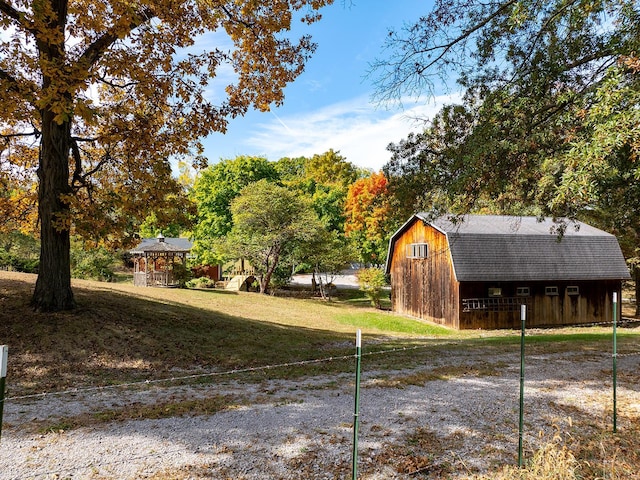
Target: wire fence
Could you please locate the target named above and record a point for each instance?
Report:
(53, 473)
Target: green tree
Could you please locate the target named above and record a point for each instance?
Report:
(325, 178)
(331, 168)
(95, 263)
(171, 222)
(119, 87)
(598, 179)
(543, 83)
(442, 170)
(291, 169)
(19, 252)
(425, 170)
(327, 254)
(269, 223)
(213, 192)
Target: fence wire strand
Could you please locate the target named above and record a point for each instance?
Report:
(195, 376)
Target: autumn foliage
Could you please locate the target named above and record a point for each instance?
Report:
(368, 224)
(105, 94)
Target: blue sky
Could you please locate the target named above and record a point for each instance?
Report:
(329, 105)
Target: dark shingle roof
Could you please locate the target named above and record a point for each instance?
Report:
(168, 245)
(503, 248)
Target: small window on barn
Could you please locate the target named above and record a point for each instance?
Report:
(573, 290)
(551, 290)
(523, 292)
(495, 292)
(418, 250)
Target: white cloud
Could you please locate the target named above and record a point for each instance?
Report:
(359, 131)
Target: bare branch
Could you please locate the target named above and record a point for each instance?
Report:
(446, 47)
(110, 83)
(35, 133)
(399, 73)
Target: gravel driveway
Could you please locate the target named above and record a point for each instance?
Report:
(414, 424)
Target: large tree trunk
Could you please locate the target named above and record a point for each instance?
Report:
(53, 287)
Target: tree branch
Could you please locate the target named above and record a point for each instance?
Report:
(115, 85)
(79, 177)
(35, 133)
(446, 47)
(11, 80)
(17, 16)
(84, 139)
(14, 86)
(235, 19)
(94, 51)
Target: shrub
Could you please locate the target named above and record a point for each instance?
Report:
(19, 252)
(372, 281)
(93, 263)
(181, 274)
(200, 282)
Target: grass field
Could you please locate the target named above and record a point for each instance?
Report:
(120, 333)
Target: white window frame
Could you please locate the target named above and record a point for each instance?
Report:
(573, 290)
(551, 291)
(495, 292)
(418, 250)
(523, 292)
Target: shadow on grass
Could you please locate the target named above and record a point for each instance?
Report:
(114, 337)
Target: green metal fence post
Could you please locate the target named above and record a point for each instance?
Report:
(523, 317)
(4, 354)
(356, 413)
(615, 363)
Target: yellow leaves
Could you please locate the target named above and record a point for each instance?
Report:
(17, 204)
(124, 74)
(18, 187)
(84, 109)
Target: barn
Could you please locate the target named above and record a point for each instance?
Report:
(475, 271)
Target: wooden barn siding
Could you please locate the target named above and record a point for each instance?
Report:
(592, 305)
(424, 288)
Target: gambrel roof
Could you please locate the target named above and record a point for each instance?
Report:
(509, 248)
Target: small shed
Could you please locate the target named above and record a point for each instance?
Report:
(154, 260)
(475, 271)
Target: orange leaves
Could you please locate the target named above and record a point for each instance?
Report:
(368, 216)
(367, 205)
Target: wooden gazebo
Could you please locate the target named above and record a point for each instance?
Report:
(154, 260)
